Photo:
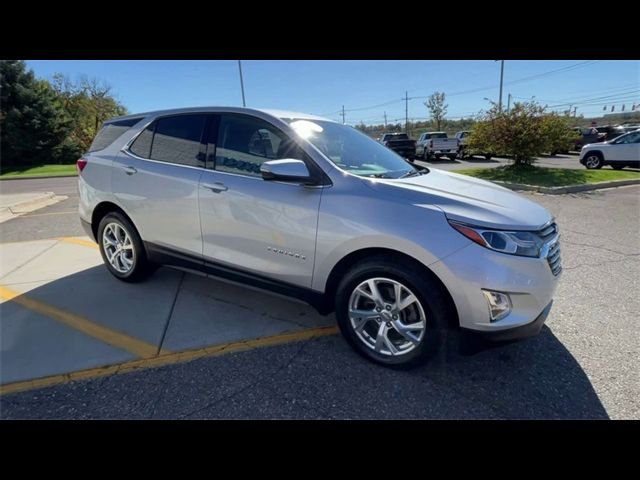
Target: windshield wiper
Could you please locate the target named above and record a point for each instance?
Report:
(411, 173)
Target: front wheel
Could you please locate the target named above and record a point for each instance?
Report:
(593, 161)
(122, 250)
(391, 313)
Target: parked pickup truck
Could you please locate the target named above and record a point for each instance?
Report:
(399, 143)
(436, 144)
(463, 148)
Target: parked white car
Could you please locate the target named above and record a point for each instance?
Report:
(623, 151)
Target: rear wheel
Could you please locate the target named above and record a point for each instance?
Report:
(391, 313)
(122, 250)
(593, 160)
(452, 157)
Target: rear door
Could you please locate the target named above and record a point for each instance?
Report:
(155, 179)
(263, 227)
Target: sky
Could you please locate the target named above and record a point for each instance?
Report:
(366, 88)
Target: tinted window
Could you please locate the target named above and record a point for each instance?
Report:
(110, 132)
(142, 145)
(177, 139)
(633, 137)
(245, 143)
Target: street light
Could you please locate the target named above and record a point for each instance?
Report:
(501, 77)
(244, 104)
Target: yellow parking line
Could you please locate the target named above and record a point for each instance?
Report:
(95, 330)
(168, 359)
(79, 241)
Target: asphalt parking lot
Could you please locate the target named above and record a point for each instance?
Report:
(181, 346)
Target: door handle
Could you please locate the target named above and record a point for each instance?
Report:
(216, 187)
(130, 170)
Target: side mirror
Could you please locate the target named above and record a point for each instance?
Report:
(286, 170)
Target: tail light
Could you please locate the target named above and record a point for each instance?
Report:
(81, 163)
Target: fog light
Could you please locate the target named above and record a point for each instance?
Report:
(499, 304)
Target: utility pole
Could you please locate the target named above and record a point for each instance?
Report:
(244, 104)
(570, 107)
(508, 103)
(385, 120)
(342, 114)
(574, 111)
(406, 112)
(501, 77)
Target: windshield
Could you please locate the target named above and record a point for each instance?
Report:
(352, 150)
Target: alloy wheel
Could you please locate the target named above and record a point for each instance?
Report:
(387, 316)
(118, 247)
(592, 161)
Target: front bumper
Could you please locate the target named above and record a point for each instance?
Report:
(529, 282)
(517, 333)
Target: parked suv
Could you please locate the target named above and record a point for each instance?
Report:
(622, 151)
(308, 207)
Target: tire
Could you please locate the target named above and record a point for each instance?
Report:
(452, 157)
(593, 160)
(617, 166)
(133, 267)
(488, 157)
(429, 309)
(438, 156)
(425, 155)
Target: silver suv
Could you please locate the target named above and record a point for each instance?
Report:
(310, 208)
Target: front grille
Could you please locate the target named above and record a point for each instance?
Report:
(554, 259)
(553, 256)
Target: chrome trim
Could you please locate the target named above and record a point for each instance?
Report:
(131, 154)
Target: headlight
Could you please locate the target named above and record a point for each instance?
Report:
(526, 244)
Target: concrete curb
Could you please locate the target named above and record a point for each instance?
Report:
(569, 188)
(26, 206)
(35, 177)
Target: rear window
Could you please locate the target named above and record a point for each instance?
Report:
(110, 132)
(438, 135)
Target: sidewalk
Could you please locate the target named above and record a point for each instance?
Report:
(15, 204)
(62, 312)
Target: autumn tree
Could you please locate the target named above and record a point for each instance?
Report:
(437, 108)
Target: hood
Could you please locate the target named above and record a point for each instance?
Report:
(467, 199)
(596, 144)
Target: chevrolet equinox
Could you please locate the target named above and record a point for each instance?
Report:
(313, 209)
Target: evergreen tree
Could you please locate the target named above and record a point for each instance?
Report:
(33, 123)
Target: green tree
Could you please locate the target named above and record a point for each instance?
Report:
(32, 120)
(557, 132)
(518, 133)
(437, 108)
(88, 102)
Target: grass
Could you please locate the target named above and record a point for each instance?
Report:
(34, 171)
(548, 177)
